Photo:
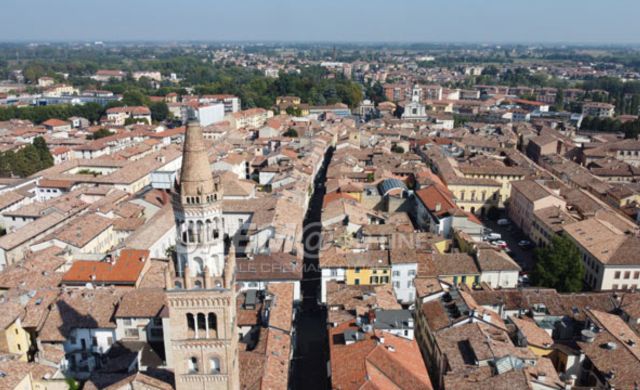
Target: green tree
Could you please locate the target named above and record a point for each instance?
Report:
(33, 72)
(559, 102)
(559, 266)
(293, 111)
(459, 121)
(291, 133)
(370, 177)
(7, 159)
(631, 129)
(490, 70)
(27, 161)
(375, 92)
(101, 133)
(44, 155)
(134, 98)
(133, 121)
(170, 252)
(159, 111)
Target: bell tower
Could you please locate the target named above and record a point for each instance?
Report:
(201, 339)
(416, 94)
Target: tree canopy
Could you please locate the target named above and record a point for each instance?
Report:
(101, 133)
(26, 161)
(559, 266)
(39, 114)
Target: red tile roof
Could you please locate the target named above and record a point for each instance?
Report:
(333, 196)
(126, 270)
(55, 122)
(433, 195)
(396, 364)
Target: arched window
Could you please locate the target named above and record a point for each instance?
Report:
(200, 231)
(197, 284)
(177, 284)
(214, 365)
(214, 260)
(198, 266)
(202, 324)
(208, 228)
(216, 229)
(191, 325)
(212, 323)
(191, 232)
(193, 364)
(182, 263)
(183, 229)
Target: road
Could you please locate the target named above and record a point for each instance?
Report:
(512, 235)
(311, 352)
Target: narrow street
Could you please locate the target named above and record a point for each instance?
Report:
(311, 352)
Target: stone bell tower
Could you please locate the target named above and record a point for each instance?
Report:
(201, 337)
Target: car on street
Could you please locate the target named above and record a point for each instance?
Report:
(492, 237)
(499, 243)
(503, 222)
(525, 244)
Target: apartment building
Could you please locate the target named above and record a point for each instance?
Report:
(599, 110)
(609, 253)
(527, 197)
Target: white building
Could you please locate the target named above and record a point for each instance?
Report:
(118, 116)
(208, 114)
(156, 76)
(609, 253)
(599, 110)
(497, 269)
(231, 102)
(415, 109)
(403, 271)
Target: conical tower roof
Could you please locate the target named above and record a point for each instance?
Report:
(195, 178)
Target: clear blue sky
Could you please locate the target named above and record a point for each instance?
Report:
(583, 21)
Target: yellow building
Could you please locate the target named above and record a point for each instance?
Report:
(442, 246)
(13, 338)
(547, 223)
(456, 268)
(529, 334)
(476, 195)
(503, 175)
(291, 100)
(368, 267)
(364, 276)
(285, 102)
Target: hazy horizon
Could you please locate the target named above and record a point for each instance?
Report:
(586, 22)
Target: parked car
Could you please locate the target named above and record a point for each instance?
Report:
(525, 244)
(499, 243)
(503, 222)
(493, 237)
